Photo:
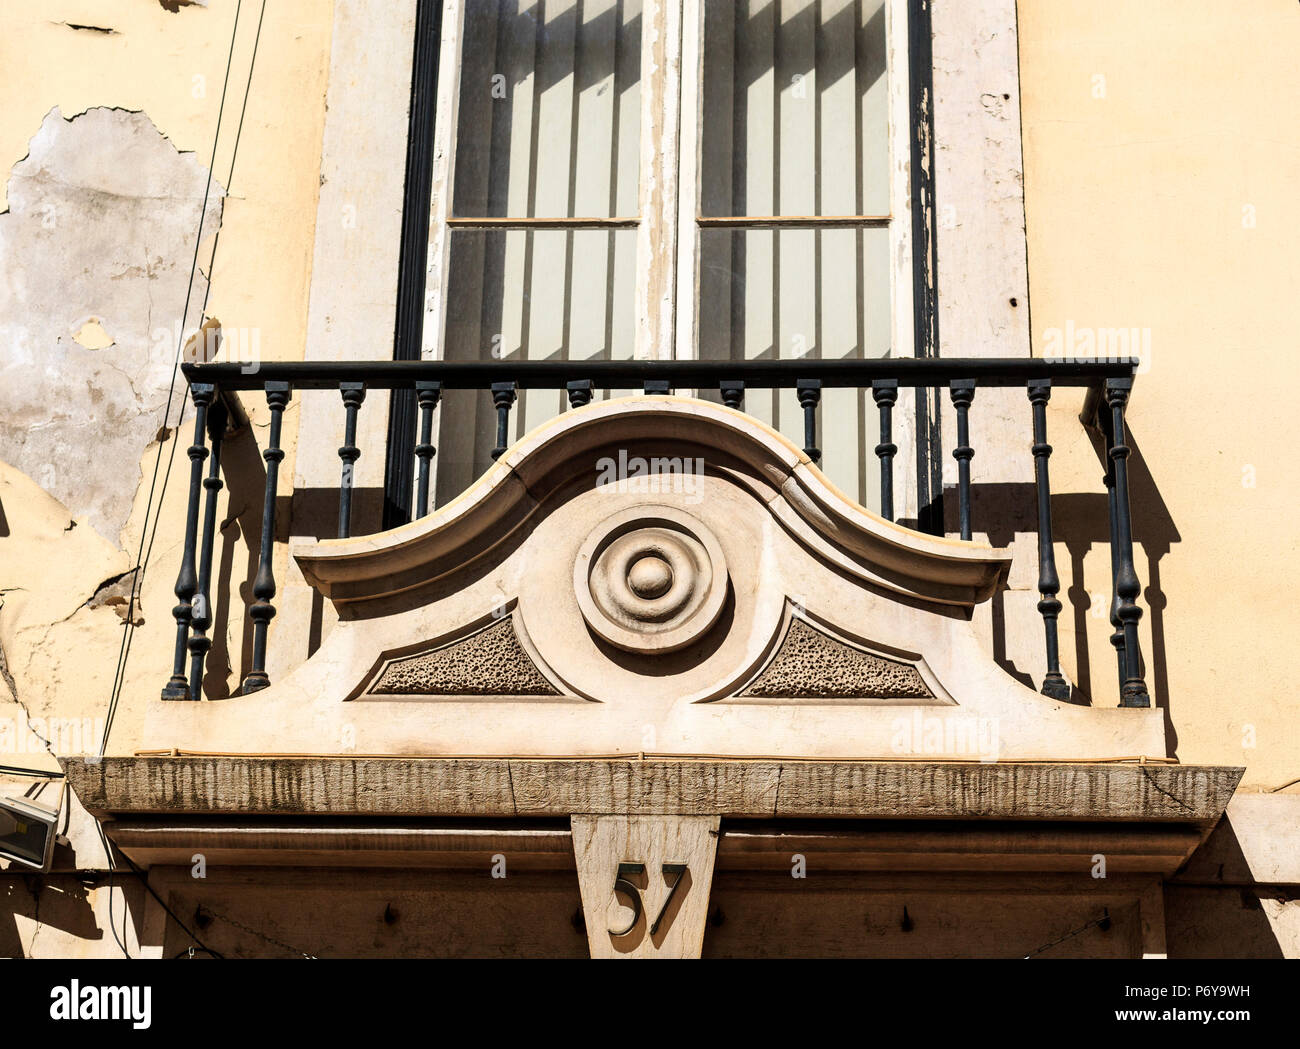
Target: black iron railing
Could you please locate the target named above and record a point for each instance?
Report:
(1108, 382)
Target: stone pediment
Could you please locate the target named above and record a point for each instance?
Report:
(657, 576)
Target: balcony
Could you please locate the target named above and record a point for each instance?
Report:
(953, 575)
(655, 615)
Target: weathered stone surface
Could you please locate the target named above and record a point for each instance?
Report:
(744, 844)
(754, 789)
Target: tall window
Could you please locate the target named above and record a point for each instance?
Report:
(725, 179)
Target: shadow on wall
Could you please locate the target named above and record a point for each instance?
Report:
(1210, 913)
(63, 902)
(314, 512)
(310, 512)
(244, 473)
(1081, 521)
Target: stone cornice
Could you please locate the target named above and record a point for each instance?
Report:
(753, 789)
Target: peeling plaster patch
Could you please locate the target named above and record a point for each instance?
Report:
(92, 335)
(115, 593)
(204, 344)
(105, 30)
(6, 676)
(175, 5)
(103, 213)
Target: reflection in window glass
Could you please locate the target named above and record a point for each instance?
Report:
(550, 109)
(796, 118)
(802, 294)
(529, 295)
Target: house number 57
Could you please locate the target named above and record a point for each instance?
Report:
(675, 871)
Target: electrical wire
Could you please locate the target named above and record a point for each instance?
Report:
(128, 632)
(212, 257)
(644, 755)
(144, 552)
(144, 880)
(260, 935)
(112, 927)
(1103, 923)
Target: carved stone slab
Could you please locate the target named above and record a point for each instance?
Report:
(645, 883)
(812, 664)
(489, 662)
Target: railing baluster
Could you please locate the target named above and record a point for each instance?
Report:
(1049, 584)
(201, 617)
(810, 395)
(1133, 690)
(503, 396)
(963, 392)
(1117, 637)
(579, 391)
(733, 393)
(187, 581)
(426, 395)
(353, 394)
(262, 610)
(885, 393)
(656, 387)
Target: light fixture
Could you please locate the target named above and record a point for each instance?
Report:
(27, 827)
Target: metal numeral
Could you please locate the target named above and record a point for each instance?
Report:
(621, 884)
(677, 871)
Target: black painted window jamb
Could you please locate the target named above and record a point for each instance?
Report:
(399, 465)
(925, 280)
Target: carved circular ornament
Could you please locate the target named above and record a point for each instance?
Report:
(651, 579)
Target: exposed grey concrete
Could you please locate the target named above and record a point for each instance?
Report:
(100, 232)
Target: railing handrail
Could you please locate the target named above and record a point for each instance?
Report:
(755, 374)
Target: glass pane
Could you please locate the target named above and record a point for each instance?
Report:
(528, 295)
(796, 108)
(803, 294)
(550, 109)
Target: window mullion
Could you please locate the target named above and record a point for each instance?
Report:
(688, 191)
(660, 124)
(445, 123)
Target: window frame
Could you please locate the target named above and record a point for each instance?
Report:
(668, 233)
(668, 226)
(688, 164)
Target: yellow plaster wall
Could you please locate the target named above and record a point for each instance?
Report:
(170, 66)
(1160, 195)
(1163, 196)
